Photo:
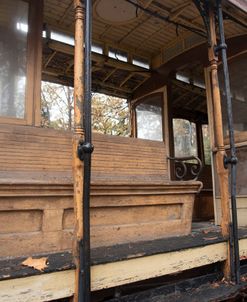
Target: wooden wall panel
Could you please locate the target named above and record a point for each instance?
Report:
(22, 221)
(242, 210)
(241, 188)
(45, 223)
(241, 152)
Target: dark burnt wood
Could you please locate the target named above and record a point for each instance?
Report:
(13, 268)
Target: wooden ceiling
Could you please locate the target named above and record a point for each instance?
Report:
(146, 37)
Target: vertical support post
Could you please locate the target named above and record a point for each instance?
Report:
(82, 148)
(200, 143)
(169, 126)
(232, 160)
(77, 137)
(133, 119)
(219, 139)
(85, 150)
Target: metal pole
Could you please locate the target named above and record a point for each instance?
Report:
(85, 150)
(233, 159)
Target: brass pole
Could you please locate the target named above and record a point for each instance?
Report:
(78, 134)
(219, 140)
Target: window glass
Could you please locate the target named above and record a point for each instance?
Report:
(185, 139)
(110, 115)
(238, 83)
(97, 48)
(149, 118)
(57, 108)
(13, 53)
(61, 37)
(141, 62)
(118, 54)
(206, 144)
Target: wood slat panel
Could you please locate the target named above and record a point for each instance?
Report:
(37, 151)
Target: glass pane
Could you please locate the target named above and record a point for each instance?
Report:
(149, 119)
(185, 140)
(118, 54)
(238, 82)
(57, 108)
(13, 52)
(110, 115)
(206, 144)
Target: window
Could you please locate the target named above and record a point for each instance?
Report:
(57, 110)
(185, 139)
(149, 118)
(61, 37)
(141, 62)
(110, 115)
(118, 54)
(13, 57)
(182, 77)
(97, 48)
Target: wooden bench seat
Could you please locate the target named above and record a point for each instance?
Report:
(132, 198)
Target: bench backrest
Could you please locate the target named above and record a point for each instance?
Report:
(37, 154)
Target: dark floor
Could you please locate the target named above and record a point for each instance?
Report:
(203, 233)
(186, 286)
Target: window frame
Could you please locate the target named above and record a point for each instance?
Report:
(142, 100)
(199, 137)
(197, 127)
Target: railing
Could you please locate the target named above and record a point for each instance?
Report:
(187, 171)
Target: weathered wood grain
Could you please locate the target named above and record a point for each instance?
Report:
(44, 153)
